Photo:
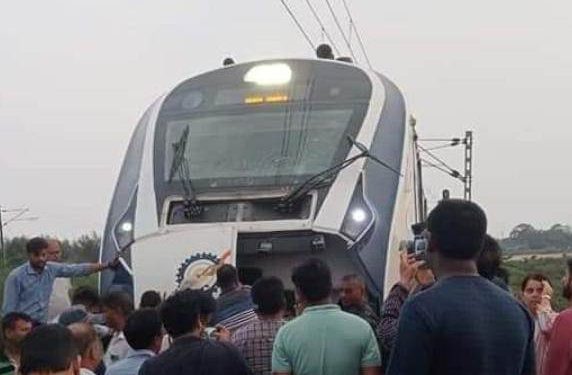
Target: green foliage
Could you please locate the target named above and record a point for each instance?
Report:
(553, 268)
(91, 281)
(524, 237)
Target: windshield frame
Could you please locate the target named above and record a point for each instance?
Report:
(257, 182)
(330, 74)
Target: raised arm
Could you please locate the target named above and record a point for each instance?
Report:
(390, 310)
(82, 269)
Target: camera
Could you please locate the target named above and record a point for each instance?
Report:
(420, 243)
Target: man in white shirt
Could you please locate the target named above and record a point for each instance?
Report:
(60, 298)
(144, 333)
(117, 307)
(89, 347)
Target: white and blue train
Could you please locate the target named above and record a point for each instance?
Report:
(262, 165)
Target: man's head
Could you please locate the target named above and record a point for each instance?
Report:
(49, 349)
(144, 330)
(227, 277)
(117, 306)
(207, 307)
(532, 288)
(54, 251)
(15, 327)
(313, 281)
(567, 281)
(88, 345)
(150, 299)
(457, 230)
(180, 313)
(88, 297)
(353, 292)
(73, 314)
(37, 249)
(489, 260)
(268, 296)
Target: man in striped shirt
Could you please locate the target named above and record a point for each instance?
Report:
(234, 306)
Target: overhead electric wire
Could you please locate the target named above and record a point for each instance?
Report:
(437, 159)
(318, 19)
(441, 147)
(449, 173)
(440, 140)
(346, 41)
(354, 26)
(306, 36)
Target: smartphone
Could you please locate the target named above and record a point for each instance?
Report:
(418, 247)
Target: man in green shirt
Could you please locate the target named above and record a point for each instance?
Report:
(323, 340)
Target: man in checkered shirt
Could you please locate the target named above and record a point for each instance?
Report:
(255, 340)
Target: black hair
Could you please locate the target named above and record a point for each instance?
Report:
(86, 296)
(226, 276)
(207, 304)
(9, 320)
(569, 265)
(458, 228)
(313, 279)
(48, 348)
(150, 298)
(536, 277)
(180, 312)
(268, 295)
(353, 277)
(34, 245)
(118, 301)
(489, 261)
(142, 328)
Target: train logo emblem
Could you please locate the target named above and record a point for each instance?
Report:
(198, 272)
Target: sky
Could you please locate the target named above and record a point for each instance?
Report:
(76, 75)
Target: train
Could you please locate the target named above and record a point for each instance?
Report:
(263, 164)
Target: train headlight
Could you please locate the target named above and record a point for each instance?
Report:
(124, 228)
(269, 74)
(359, 217)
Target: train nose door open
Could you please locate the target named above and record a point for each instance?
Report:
(182, 259)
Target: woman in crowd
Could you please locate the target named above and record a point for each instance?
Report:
(537, 292)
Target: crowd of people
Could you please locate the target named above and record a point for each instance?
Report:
(451, 312)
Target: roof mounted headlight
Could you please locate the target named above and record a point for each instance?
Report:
(269, 74)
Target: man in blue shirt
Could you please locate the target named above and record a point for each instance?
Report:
(28, 287)
(144, 334)
(463, 324)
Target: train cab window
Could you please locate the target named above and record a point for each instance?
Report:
(236, 135)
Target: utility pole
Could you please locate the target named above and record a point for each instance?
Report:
(468, 177)
(2, 239)
(18, 213)
(431, 160)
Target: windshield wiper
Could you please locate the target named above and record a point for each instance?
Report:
(181, 166)
(320, 179)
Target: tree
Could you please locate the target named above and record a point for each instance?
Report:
(522, 230)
